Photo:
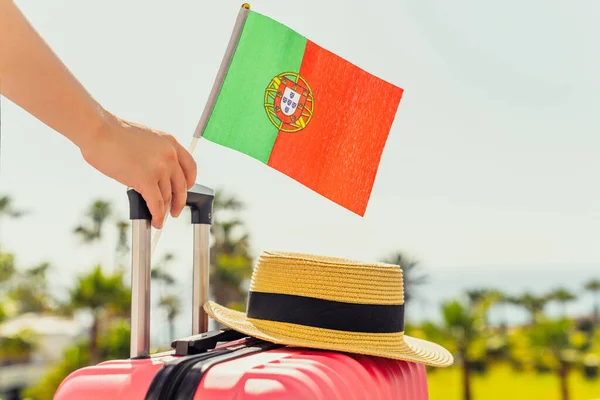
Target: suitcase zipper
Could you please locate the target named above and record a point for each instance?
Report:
(193, 376)
(173, 375)
(172, 372)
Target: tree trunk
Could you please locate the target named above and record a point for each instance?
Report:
(533, 318)
(171, 329)
(94, 339)
(225, 293)
(466, 377)
(596, 315)
(564, 384)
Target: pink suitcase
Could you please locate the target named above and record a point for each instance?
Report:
(225, 364)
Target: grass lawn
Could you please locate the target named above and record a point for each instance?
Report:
(502, 383)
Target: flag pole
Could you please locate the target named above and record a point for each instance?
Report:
(214, 93)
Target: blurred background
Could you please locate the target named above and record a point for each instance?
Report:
(486, 195)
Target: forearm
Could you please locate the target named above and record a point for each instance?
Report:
(33, 77)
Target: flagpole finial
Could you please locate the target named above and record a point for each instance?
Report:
(246, 6)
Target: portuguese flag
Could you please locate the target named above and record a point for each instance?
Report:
(302, 110)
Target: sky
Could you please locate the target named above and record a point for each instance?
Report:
(489, 173)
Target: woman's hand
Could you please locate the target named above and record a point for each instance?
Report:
(149, 161)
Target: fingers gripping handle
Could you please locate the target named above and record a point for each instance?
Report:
(200, 201)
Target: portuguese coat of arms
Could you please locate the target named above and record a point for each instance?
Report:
(289, 102)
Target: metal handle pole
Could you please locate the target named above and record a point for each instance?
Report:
(140, 289)
(200, 278)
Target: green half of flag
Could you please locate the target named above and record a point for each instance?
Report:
(304, 111)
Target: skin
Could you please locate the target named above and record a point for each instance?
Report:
(147, 160)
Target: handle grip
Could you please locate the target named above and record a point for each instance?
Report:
(200, 201)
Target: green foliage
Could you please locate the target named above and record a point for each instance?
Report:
(122, 241)
(23, 291)
(433, 332)
(533, 304)
(501, 382)
(8, 209)
(593, 285)
(114, 344)
(30, 290)
(552, 338)
(506, 359)
(29, 299)
(3, 315)
(17, 347)
(74, 358)
(232, 269)
(97, 214)
(160, 272)
(97, 290)
(169, 302)
(7, 266)
(497, 346)
(544, 346)
(172, 305)
(412, 273)
(561, 295)
(519, 351)
(460, 321)
(105, 295)
(231, 262)
(591, 366)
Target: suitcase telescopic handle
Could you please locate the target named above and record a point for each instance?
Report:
(200, 201)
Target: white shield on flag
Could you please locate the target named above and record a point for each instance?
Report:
(289, 103)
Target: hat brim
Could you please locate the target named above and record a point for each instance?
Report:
(395, 345)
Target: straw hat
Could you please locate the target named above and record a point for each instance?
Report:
(329, 303)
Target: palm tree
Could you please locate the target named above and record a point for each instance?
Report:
(593, 286)
(412, 273)
(481, 300)
(30, 290)
(477, 296)
(502, 299)
(562, 296)
(18, 347)
(98, 292)
(158, 270)
(7, 271)
(170, 303)
(7, 209)
(226, 202)
(172, 306)
(224, 235)
(7, 266)
(122, 242)
(461, 325)
(552, 338)
(91, 230)
(231, 263)
(98, 213)
(533, 304)
(160, 274)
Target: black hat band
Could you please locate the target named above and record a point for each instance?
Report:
(326, 314)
